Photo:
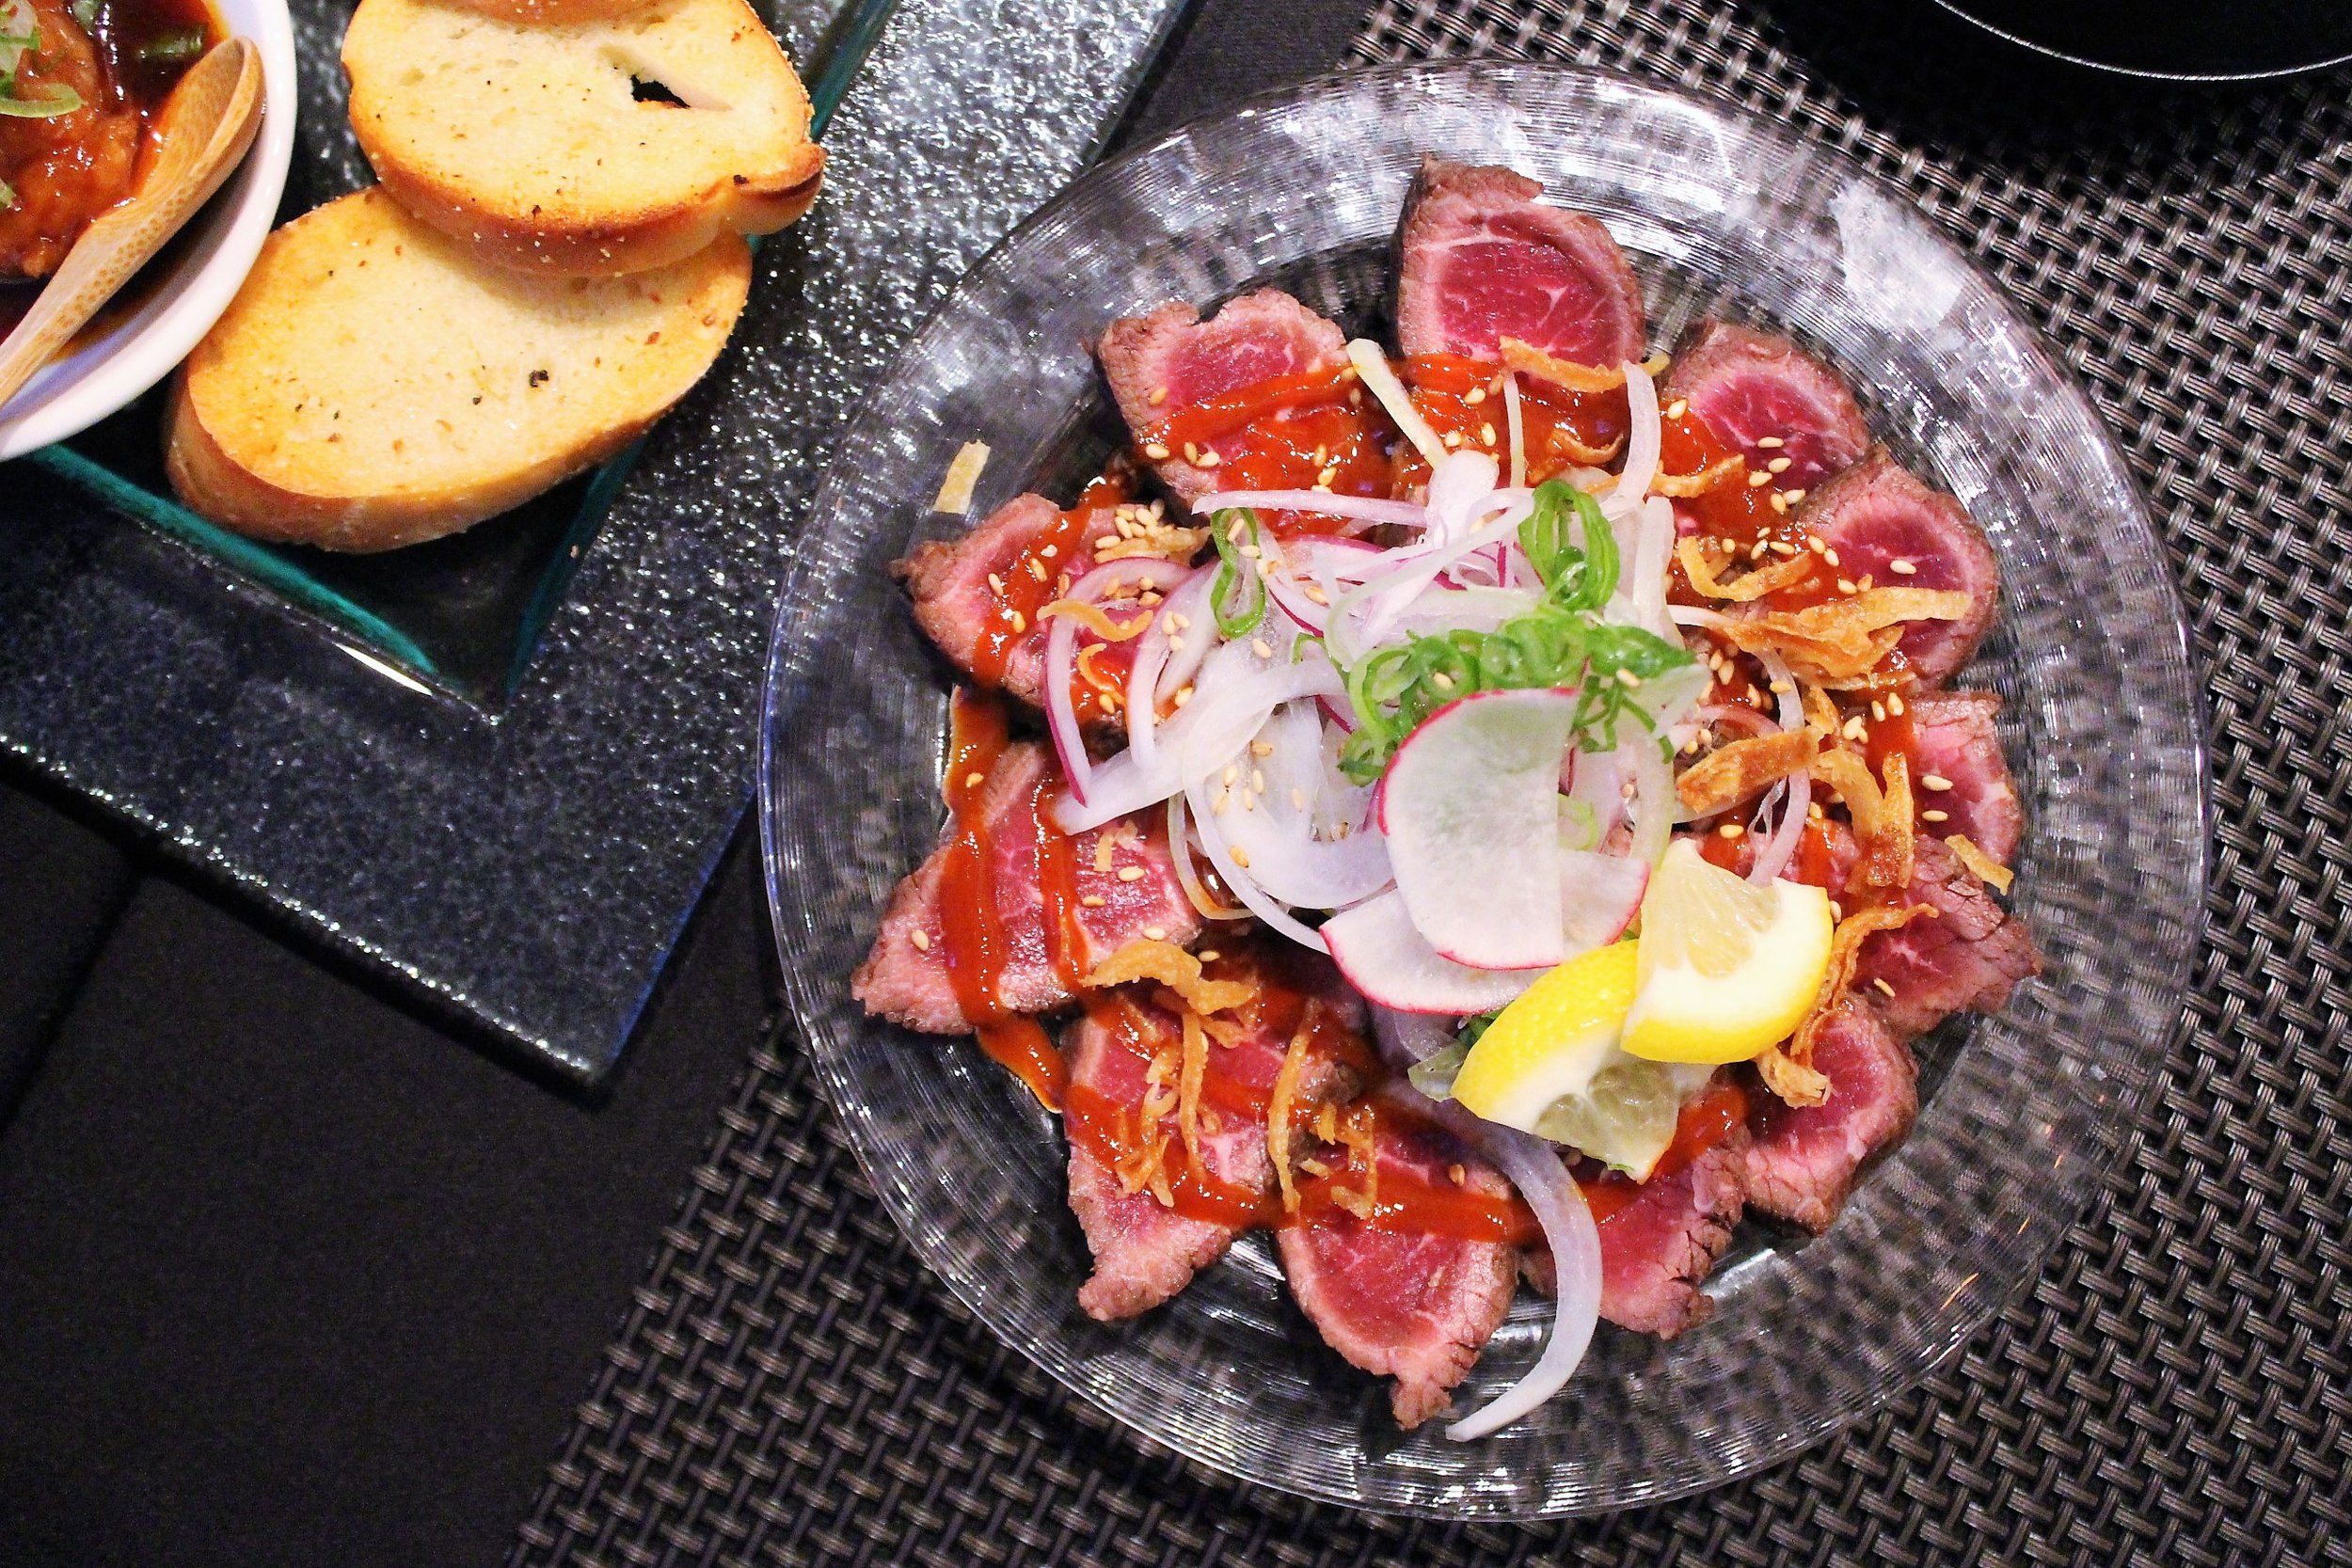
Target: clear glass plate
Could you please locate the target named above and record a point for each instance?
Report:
(2021, 1113)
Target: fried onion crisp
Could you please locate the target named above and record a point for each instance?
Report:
(1989, 871)
(1174, 967)
(1526, 356)
(1731, 773)
(1193, 1066)
(1882, 814)
(1685, 485)
(1091, 617)
(1787, 1071)
(1780, 571)
(1278, 1110)
(1841, 641)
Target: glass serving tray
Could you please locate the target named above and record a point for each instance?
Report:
(2020, 1113)
(503, 764)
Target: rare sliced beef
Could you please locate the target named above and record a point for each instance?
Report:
(1167, 360)
(1144, 1251)
(1751, 387)
(1801, 1162)
(1418, 1308)
(1880, 520)
(905, 977)
(1957, 746)
(1659, 1245)
(955, 603)
(1971, 954)
(1482, 259)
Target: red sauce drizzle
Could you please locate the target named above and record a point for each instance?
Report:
(1405, 1203)
(1039, 573)
(1284, 433)
(973, 938)
(1706, 1122)
(1550, 418)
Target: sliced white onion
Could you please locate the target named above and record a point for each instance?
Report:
(1061, 713)
(1277, 918)
(1643, 435)
(1792, 797)
(1461, 488)
(1189, 604)
(1654, 798)
(1372, 365)
(1407, 1039)
(1276, 827)
(1512, 418)
(1362, 508)
(1654, 540)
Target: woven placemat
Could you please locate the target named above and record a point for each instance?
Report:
(790, 1388)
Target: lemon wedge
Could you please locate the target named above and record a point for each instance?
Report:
(1549, 1065)
(1728, 969)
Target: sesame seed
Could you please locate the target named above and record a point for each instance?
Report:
(973, 781)
(1455, 1175)
(1755, 552)
(1878, 712)
(1486, 432)
(1157, 933)
(997, 585)
(1757, 481)
(1261, 748)
(1241, 857)
(1192, 454)
(1208, 459)
(1780, 502)
(922, 941)
(1627, 679)
(1836, 910)
(1880, 981)
(1474, 397)
(1233, 771)
(1257, 780)
(1020, 622)
(1792, 496)
(1813, 542)
(1777, 466)
(1934, 815)
(1183, 694)
(1729, 830)
(1845, 585)
(1676, 409)
(1781, 547)
(1175, 643)
(1314, 591)
(1159, 395)
(1036, 569)
(1298, 798)
(1442, 681)
(1155, 452)
(1813, 810)
(1093, 901)
(1901, 568)
(1829, 553)
(1864, 582)
(1259, 646)
(1779, 687)
(1050, 551)
(1853, 729)
(1895, 704)
(1935, 781)
(1210, 954)
(1771, 443)
(1131, 873)
(1452, 439)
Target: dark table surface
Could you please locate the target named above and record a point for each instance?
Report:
(291, 1272)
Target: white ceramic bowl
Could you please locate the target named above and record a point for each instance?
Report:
(138, 349)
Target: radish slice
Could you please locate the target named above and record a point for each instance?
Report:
(1599, 896)
(1384, 955)
(1469, 806)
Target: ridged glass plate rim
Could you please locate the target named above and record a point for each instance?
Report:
(2166, 873)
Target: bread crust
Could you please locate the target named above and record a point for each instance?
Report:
(649, 239)
(230, 462)
(457, 186)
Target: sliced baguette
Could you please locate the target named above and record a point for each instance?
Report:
(544, 12)
(528, 141)
(372, 385)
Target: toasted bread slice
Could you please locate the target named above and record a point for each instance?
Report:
(373, 385)
(530, 142)
(544, 12)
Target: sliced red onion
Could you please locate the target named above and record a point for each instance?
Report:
(1179, 852)
(1736, 716)
(1061, 712)
(1536, 1169)
(1407, 1039)
(1362, 508)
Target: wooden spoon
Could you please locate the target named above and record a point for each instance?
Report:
(205, 127)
